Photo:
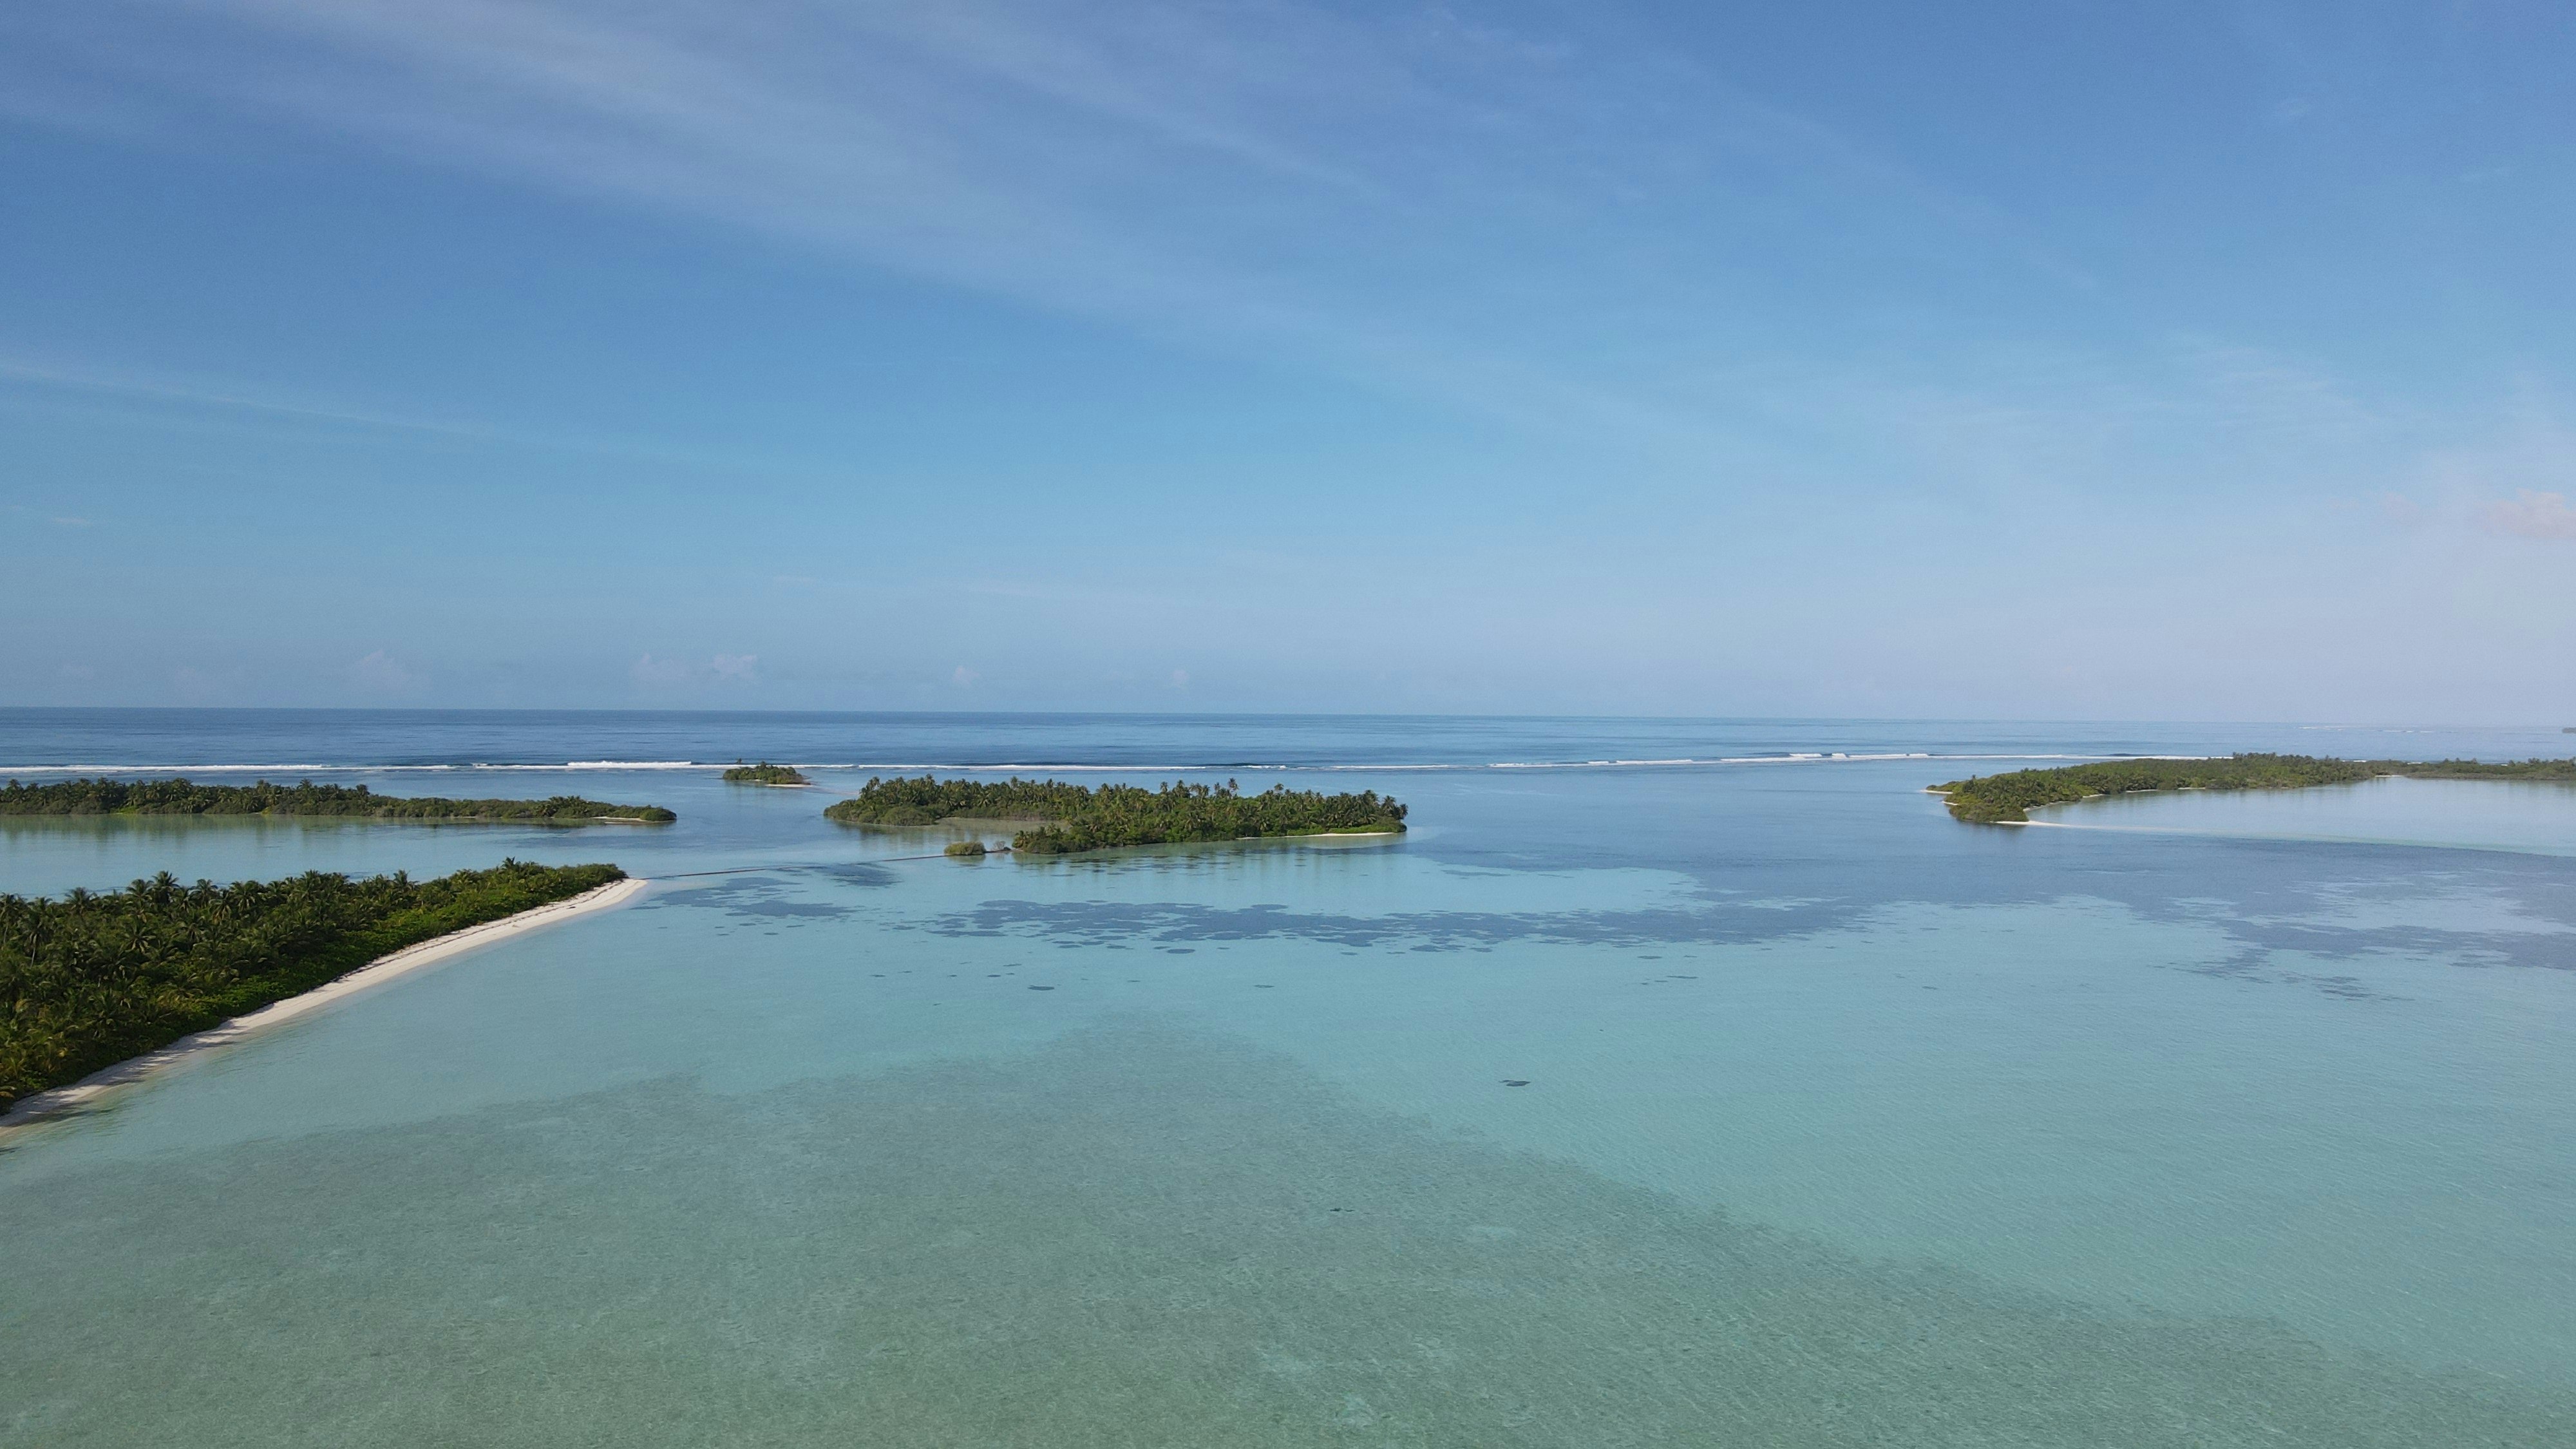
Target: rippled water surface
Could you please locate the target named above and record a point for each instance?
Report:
(1736, 1097)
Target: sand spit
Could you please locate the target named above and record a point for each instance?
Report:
(84, 1095)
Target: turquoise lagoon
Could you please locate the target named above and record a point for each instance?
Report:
(1841, 1123)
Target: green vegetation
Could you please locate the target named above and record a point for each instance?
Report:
(346, 802)
(1067, 819)
(2009, 798)
(765, 773)
(89, 980)
(967, 849)
(926, 801)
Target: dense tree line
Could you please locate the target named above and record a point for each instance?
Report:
(1127, 815)
(87, 981)
(927, 801)
(765, 773)
(2548, 771)
(1078, 818)
(351, 802)
(2010, 797)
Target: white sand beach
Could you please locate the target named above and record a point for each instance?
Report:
(85, 1094)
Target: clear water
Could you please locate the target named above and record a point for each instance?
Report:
(2476, 814)
(1843, 1124)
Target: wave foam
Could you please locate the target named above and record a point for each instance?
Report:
(1792, 757)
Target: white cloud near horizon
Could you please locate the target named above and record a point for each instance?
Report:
(650, 672)
(380, 673)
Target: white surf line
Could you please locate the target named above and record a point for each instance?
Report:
(1792, 757)
(81, 1096)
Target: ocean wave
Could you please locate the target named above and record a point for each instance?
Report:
(1028, 767)
(203, 769)
(344, 769)
(612, 765)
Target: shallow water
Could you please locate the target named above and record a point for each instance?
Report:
(2471, 814)
(1843, 1123)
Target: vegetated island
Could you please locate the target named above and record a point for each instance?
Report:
(344, 802)
(765, 773)
(2008, 799)
(87, 981)
(1064, 819)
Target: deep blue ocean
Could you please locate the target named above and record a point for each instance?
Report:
(1671, 1082)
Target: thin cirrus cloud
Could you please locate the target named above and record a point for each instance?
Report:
(58, 520)
(1564, 225)
(49, 375)
(1451, 208)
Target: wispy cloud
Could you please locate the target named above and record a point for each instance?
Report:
(26, 370)
(2511, 481)
(664, 673)
(2401, 511)
(58, 520)
(2533, 514)
(174, 394)
(1576, 228)
(660, 673)
(1452, 208)
(379, 672)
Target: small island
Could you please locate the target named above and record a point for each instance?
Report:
(967, 849)
(96, 979)
(306, 799)
(2008, 799)
(765, 773)
(1062, 819)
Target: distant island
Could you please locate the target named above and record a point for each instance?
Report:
(2008, 799)
(95, 979)
(1064, 819)
(344, 802)
(765, 773)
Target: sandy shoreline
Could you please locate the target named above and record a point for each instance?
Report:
(83, 1095)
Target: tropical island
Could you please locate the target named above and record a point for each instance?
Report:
(765, 773)
(2008, 799)
(87, 981)
(343, 802)
(1062, 819)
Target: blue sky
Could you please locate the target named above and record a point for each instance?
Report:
(2059, 360)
